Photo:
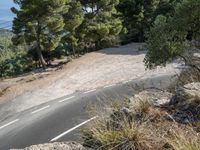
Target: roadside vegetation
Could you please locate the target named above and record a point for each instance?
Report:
(154, 119)
(151, 120)
(65, 28)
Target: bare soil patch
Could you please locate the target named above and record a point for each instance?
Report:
(93, 70)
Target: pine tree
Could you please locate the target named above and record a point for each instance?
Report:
(137, 16)
(39, 23)
(101, 22)
(73, 19)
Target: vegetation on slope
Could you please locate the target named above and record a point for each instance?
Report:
(152, 120)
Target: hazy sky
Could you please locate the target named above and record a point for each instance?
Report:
(5, 13)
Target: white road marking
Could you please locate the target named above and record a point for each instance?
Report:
(70, 130)
(109, 85)
(90, 91)
(9, 124)
(36, 111)
(66, 99)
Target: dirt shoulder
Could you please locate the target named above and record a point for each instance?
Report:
(93, 70)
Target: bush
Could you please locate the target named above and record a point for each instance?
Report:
(160, 45)
(171, 37)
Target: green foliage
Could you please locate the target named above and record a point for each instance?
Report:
(61, 51)
(168, 37)
(160, 45)
(73, 19)
(13, 60)
(100, 22)
(139, 15)
(187, 18)
(166, 7)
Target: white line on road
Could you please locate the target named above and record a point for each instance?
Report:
(109, 85)
(9, 124)
(36, 111)
(70, 130)
(90, 91)
(66, 99)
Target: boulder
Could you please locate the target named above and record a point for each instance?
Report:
(188, 93)
(191, 90)
(56, 146)
(183, 117)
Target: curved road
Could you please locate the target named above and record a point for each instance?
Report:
(61, 119)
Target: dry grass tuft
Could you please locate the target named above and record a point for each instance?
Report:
(186, 139)
(130, 136)
(142, 106)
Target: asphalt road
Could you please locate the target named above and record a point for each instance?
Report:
(61, 119)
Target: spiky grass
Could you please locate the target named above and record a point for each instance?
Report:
(186, 139)
(130, 135)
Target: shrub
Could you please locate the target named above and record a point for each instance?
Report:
(130, 136)
(171, 37)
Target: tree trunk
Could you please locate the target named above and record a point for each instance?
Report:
(41, 58)
(74, 52)
(39, 51)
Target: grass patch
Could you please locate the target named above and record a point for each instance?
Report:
(186, 139)
(140, 126)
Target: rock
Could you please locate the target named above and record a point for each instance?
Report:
(183, 117)
(56, 146)
(162, 101)
(126, 110)
(155, 97)
(187, 94)
(192, 90)
(186, 102)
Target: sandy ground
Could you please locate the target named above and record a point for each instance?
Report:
(93, 70)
